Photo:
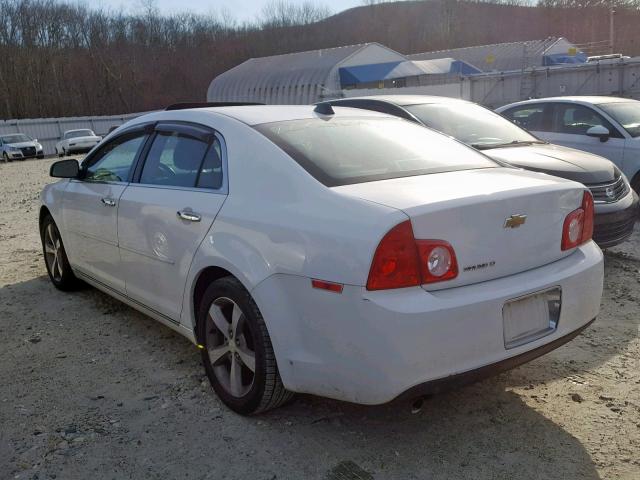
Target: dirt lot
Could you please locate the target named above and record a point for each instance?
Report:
(89, 388)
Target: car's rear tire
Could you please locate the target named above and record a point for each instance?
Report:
(635, 183)
(235, 340)
(55, 257)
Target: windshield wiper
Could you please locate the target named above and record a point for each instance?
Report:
(515, 143)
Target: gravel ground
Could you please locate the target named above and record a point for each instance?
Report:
(89, 388)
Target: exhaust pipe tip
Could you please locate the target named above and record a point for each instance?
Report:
(416, 406)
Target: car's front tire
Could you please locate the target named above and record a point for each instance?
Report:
(5, 157)
(55, 256)
(237, 355)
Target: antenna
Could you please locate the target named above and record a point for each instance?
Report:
(324, 108)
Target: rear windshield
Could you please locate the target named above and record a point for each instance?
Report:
(343, 151)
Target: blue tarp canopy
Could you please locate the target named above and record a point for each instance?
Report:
(463, 68)
(377, 72)
(562, 58)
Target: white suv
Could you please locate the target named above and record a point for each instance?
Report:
(606, 126)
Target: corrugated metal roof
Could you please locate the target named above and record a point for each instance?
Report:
(496, 57)
(280, 71)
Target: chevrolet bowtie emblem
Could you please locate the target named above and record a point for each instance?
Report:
(514, 221)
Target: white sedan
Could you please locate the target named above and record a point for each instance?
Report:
(606, 126)
(343, 253)
(77, 141)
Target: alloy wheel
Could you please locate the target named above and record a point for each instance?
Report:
(53, 251)
(230, 347)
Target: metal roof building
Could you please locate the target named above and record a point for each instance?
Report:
(307, 77)
(502, 57)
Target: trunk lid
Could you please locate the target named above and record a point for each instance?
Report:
(469, 209)
(563, 162)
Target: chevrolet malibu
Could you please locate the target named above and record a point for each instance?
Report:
(341, 253)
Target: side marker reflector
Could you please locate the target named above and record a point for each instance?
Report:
(330, 286)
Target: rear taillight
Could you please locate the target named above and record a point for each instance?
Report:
(402, 261)
(587, 206)
(395, 263)
(437, 261)
(578, 226)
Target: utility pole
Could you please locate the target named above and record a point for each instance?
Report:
(612, 13)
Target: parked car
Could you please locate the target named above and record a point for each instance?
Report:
(344, 253)
(616, 204)
(606, 126)
(77, 141)
(18, 146)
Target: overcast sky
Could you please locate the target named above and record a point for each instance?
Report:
(239, 9)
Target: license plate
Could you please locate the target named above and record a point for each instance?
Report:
(529, 318)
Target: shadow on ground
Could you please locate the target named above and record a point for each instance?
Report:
(135, 393)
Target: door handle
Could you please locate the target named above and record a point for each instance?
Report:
(109, 202)
(189, 215)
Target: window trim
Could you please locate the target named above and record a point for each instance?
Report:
(193, 130)
(143, 129)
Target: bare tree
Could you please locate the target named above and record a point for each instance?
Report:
(61, 59)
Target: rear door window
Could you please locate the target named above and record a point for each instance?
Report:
(178, 159)
(534, 117)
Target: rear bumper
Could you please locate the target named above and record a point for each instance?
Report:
(82, 148)
(615, 223)
(370, 347)
(461, 379)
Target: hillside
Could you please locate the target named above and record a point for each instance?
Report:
(64, 60)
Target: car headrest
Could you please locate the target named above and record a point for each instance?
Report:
(187, 154)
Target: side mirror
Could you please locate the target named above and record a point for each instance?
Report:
(598, 131)
(65, 169)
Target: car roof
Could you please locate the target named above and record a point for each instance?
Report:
(403, 100)
(78, 130)
(259, 114)
(582, 99)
